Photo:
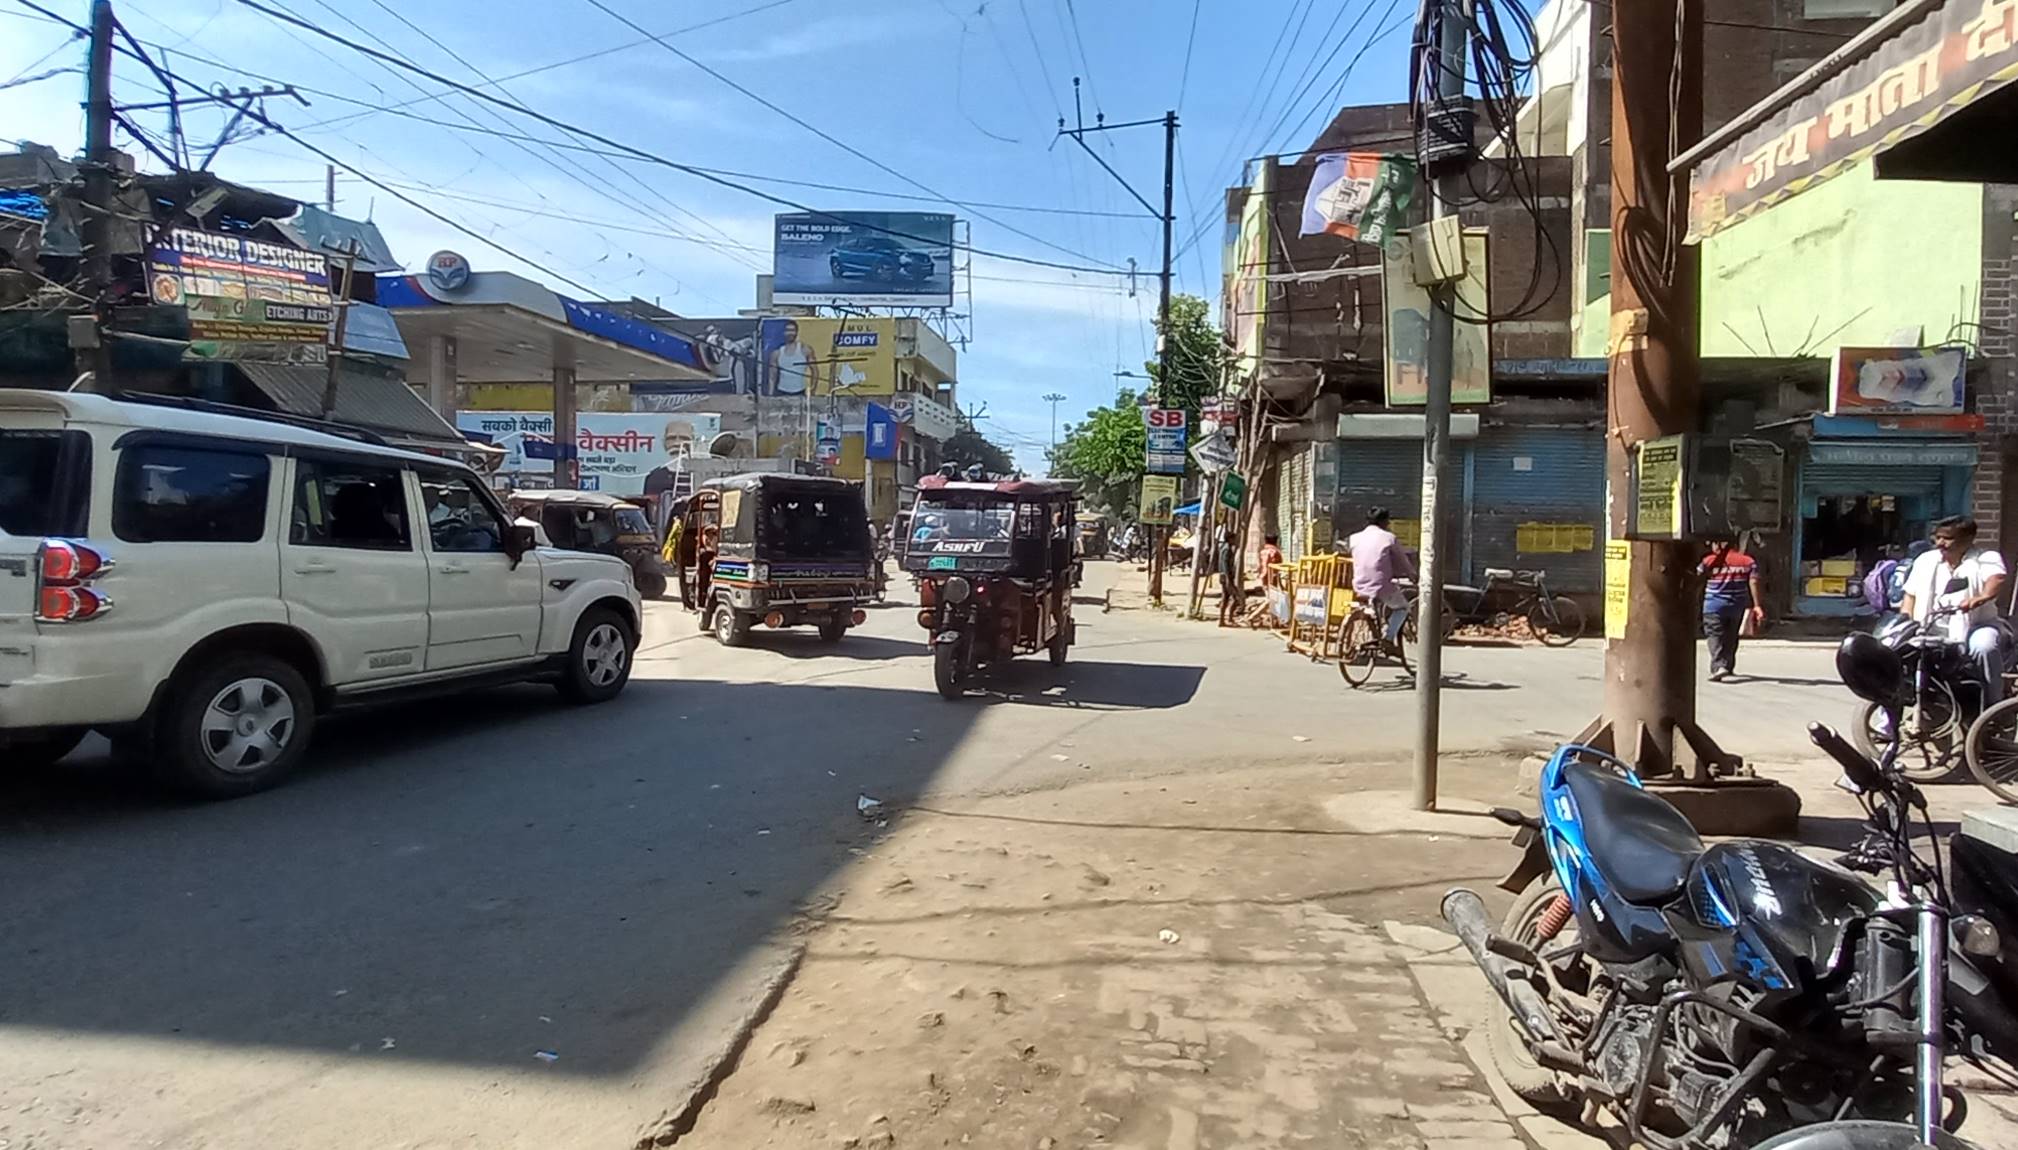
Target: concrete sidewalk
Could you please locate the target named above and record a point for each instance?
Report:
(1227, 959)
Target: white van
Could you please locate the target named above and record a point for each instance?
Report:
(200, 585)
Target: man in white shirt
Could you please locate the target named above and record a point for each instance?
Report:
(1378, 562)
(1974, 621)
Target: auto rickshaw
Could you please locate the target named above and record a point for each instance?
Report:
(604, 524)
(781, 550)
(1092, 535)
(995, 568)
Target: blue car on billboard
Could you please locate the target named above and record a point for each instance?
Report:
(878, 258)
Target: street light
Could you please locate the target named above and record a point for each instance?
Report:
(1054, 399)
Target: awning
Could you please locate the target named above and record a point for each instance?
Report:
(1925, 91)
(378, 403)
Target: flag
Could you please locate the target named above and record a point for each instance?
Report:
(1359, 196)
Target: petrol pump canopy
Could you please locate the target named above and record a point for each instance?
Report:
(1926, 92)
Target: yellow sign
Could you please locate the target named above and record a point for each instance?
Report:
(1659, 493)
(1555, 538)
(1618, 577)
(1159, 496)
(848, 355)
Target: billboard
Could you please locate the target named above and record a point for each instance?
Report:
(1407, 328)
(246, 299)
(1898, 381)
(817, 355)
(727, 349)
(618, 452)
(1247, 313)
(871, 259)
(1360, 196)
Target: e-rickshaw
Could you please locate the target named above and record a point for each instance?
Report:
(995, 568)
(781, 550)
(604, 524)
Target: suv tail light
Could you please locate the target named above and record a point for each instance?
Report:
(66, 561)
(63, 568)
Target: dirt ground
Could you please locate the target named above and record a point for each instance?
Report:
(1192, 962)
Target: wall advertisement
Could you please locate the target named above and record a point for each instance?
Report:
(816, 355)
(1406, 334)
(617, 451)
(869, 259)
(1159, 499)
(1247, 310)
(1898, 381)
(246, 299)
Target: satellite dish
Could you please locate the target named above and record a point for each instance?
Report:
(723, 445)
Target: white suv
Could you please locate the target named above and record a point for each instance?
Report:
(199, 586)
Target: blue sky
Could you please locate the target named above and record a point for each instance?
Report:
(955, 95)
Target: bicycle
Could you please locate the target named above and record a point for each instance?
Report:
(1555, 620)
(1362, 646)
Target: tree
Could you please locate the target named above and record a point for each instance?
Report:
(1104, 453)
(1198, 356)
(967, 447)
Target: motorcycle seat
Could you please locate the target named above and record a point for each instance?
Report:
(1639, 844)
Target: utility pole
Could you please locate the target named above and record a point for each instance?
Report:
(1054, 399)
(1453, 41)
(329, 188)
(92, 355)
(336, 335)
(1159, 536)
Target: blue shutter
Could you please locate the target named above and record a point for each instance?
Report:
(1539, 475)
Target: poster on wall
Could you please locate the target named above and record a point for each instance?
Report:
(869, 259)
(1247, 283)
(246, 299)
(1406, 333)
(1361, 196)
(1897, 381)
(618, 452)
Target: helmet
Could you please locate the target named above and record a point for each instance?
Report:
(1870, 668)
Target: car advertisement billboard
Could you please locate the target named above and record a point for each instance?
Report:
(868, 259)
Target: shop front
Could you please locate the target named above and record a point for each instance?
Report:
(1866, 498)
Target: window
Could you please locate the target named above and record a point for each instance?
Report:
(812, 525)
(459, 518)
(968, 519)
(45, 482)
(166, 494)
(1845, 9)
(339, 505)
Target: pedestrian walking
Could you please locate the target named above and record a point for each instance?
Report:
(1731, 595)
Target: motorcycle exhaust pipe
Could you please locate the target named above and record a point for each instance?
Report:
(1465, 912)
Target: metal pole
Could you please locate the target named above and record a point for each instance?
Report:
(329, 187)
(1160, 536)
(1650, 681)
(98, 187)
(336, 340)
(567, 461)
(1436, 441)
(1054, 399)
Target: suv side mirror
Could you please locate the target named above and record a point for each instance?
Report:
(519, 539)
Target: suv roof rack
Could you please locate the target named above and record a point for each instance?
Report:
(307, 423)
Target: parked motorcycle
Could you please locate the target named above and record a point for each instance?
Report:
(1712, 996)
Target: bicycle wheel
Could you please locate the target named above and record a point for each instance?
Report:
(1992, 750)
(1933, 734)
(1557, 621)
(1359, 649)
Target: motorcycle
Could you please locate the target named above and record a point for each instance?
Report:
(1945, 699)
(1710, 996)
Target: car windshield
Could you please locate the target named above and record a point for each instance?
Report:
(632, 521)
(967, 519)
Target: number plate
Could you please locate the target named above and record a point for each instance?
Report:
(943, 563)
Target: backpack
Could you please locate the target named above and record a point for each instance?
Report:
(1878, 585)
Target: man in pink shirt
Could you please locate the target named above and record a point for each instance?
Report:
(1378, 562)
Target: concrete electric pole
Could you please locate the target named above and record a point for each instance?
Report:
(1452, 44)
(99, 176)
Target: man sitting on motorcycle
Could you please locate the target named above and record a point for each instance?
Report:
(1973, 621)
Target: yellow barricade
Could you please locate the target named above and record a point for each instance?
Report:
(1320, 597)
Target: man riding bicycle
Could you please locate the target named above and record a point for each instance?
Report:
(1378, 565)
(1969, 615)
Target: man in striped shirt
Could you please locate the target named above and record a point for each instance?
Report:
(1731, 594)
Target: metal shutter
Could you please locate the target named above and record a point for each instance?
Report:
(1860, 479)
(1536, 519)
(1378, 473)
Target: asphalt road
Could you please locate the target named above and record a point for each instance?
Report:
(449, 889)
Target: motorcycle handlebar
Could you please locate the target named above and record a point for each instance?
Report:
(1860, 769)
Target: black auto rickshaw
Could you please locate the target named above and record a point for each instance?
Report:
(995, 568)
(781, 550)
(604, 524)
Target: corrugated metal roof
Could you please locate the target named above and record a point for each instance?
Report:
(333, 235)
(364, 398)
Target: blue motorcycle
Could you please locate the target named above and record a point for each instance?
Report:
(1716, 996)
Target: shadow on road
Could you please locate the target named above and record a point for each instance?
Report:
(454, 875)
(803, 643)
(1092, 686)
